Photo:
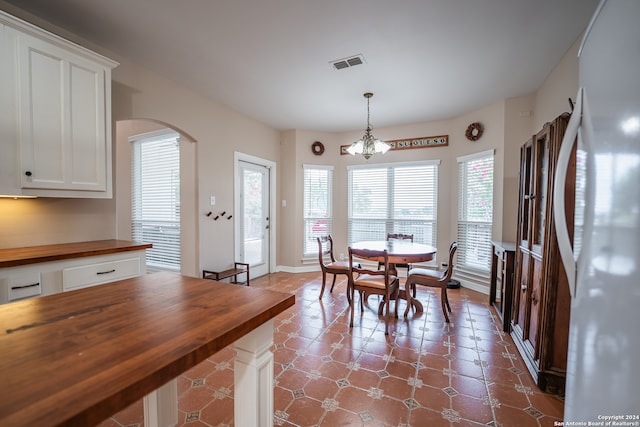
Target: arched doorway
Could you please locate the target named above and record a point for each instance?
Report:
(124, 130)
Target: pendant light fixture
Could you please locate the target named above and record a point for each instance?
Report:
(368, 145)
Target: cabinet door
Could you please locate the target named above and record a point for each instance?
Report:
(521, 293)
(535, 291)
(526, 190)
(541, 190)
(62, 118)
(9, 178)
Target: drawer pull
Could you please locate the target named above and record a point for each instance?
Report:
(14, 288)
(107, 272)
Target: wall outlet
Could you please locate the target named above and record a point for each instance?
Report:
(213, 200)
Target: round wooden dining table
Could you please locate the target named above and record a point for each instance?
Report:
(400, 252)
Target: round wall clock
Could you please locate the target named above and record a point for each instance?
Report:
(474, 131)
(317, 148)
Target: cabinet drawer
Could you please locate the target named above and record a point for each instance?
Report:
(96, 274)
(22, 286)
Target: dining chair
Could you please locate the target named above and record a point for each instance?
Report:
(433, 278)
(399, 236)
(367, 281)
(328, 263)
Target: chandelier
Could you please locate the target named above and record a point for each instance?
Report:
(368, 145)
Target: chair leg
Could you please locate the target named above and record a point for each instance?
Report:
(334, 283)
(361, 302)
(351, 304)
(324, 281)
(407, 290)
(397, 299)
(443, 302)
(386, 301)
(446, 298)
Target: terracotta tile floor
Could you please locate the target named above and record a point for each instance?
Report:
(425, 373)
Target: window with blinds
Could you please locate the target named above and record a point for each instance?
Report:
(475, 212)
(318, 185)
(393, 198)
(155, 193)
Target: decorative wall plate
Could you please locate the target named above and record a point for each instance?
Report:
(474, 131)
(317, 148)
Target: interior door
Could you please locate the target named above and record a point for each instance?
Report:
(254, 219)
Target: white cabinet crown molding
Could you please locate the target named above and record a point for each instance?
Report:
(28, 28)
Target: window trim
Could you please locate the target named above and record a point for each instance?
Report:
(484, 274)
(394, 165)
(435, 162)
(314, 252)
(160, 135)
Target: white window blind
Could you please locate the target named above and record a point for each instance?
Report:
(393, 198)
(318, 221)
(156, 197)
(475, 211)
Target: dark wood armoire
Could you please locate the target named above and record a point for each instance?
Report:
(541, 299)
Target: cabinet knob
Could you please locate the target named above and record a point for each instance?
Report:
(28, 173)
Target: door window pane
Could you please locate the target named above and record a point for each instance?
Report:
(254, 217)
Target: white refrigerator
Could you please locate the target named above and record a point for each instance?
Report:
(603, 261)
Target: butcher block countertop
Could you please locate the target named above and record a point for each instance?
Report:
(12, 257)
(78, 357)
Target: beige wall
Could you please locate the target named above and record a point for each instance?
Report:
(207, 165)
(29, 222)
(218, 132)
(518, 129)
(552, 98)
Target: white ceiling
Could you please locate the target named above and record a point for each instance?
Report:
(270, 59)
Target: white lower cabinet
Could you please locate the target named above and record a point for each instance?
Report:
(48, 278)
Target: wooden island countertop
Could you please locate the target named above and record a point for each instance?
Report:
(78, 357)
(12, 257)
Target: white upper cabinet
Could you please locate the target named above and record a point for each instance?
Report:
(60, 115)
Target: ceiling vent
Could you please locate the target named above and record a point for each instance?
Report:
(352, 61)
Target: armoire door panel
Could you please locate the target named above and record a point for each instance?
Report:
(536, 298)
(523, 290)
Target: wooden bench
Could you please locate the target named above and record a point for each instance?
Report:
(238, 269)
